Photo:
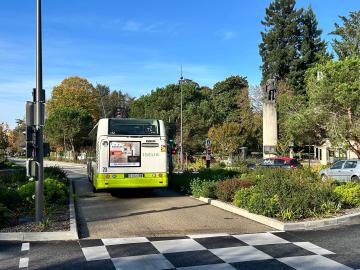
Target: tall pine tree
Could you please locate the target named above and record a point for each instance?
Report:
(311, 50)
(290, 44)
(279, 47)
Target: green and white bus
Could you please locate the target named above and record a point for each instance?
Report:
(129, 153)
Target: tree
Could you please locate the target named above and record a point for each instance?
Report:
(68, 127)
(290, 44)
(16, 137)
(77, 93)
(227, 138)
(349, 34)
(312, 50)
(3, 138)
(280, 40)
(164, 103)
(113, 102)
(224, 99)
(333, 108)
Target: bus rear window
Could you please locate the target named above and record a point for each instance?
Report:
(133, 127)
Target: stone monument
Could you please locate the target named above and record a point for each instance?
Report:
(270, 125)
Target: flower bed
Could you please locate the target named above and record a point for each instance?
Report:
(287, 195)
(17, 202)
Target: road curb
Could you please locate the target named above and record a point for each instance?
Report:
(282, 226)
(48, 236)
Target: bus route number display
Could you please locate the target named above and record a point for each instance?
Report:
(125, 154)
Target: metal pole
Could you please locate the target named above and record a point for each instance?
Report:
(39, 186)
(181, 123)
(309, 155)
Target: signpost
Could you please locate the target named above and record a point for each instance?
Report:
(208, 152)
(35, 112)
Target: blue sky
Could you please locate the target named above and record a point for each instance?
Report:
(136, 45)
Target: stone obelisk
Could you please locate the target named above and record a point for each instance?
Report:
(270, 123)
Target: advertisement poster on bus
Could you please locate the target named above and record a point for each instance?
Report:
(125, 154)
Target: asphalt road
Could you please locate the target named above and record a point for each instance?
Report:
(150, 213)
(160, 230)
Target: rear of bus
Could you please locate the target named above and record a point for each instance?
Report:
(130, 153)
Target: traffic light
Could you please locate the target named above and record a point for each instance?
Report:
(30, 141)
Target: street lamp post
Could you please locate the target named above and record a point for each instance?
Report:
(181, 122)
(39, 122)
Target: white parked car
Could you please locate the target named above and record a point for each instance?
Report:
(343, 170)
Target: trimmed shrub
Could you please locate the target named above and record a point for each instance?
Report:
(27, 195)
(9, 198)
(289, 195)
(225, 190)
(349, 194)
(57, 173)
(201, 188)
(181, 182)
(14, 179)
(5, 215)
(56, 193)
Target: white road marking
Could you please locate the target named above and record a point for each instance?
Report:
(25, 246)
(24, 263)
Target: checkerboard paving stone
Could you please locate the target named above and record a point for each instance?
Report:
(284, 250)
(143, 262)
(220, 242)
(169, 246)
(261, 265)
(119, 241)
(260, 239)
(192, 258)
(315, 262)
(239, 254)
(313, 248)
(211, 251)
(219, 266)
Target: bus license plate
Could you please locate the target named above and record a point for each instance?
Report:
(134, 175)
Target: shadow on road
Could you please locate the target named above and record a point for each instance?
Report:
(137, 193)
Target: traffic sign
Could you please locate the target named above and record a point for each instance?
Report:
(207, 142)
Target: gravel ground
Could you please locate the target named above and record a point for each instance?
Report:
(59, 220)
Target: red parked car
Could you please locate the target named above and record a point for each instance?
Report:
(284, 162)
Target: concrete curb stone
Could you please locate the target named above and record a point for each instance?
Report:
(279, 225)
(72, 234)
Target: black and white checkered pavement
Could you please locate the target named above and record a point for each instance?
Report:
(212, 251)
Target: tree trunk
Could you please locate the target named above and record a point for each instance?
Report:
(354, 140)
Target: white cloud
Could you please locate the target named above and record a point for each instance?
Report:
(226, 35)
(132, 26)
